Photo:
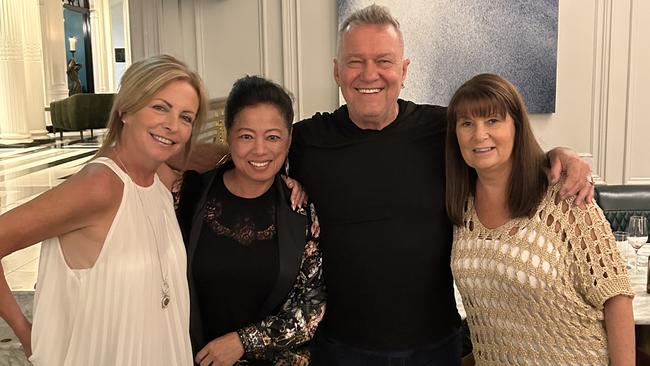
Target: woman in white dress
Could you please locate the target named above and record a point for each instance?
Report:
(112, 286)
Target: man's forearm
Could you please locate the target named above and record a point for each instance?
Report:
(202, 157)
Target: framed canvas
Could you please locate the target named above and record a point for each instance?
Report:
(449, 41)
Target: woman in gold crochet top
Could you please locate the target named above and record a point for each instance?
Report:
(541, 279)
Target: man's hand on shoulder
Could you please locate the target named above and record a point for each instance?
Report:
(578, 175)
(298, 196)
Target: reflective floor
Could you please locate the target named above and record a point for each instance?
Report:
(26, 172)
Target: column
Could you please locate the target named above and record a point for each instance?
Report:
(54, 62)
(34, 70)
(100, 34)
(13, 106)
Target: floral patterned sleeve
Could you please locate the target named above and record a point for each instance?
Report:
(300, 314)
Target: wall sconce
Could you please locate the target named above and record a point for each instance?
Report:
(73, 69)
(72, 41)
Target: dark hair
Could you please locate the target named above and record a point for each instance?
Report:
(253, 90)
(482, 96)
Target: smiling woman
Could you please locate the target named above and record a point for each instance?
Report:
(528, 264)
(162, 127)
(238, 223)
(259, 140)
(112, 286)
(175, 105)
(486, 142)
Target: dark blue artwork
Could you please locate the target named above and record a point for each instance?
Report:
(449, 41)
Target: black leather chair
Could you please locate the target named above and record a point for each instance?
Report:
(619, 202)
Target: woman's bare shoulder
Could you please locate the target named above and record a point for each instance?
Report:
(96, 184)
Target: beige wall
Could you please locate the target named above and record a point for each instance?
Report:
(601, 83)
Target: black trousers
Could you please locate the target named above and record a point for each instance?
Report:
(329, 352)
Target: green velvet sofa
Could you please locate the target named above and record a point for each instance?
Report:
(79, 112)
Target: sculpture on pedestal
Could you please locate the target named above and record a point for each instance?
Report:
(73, 77)
(74, 83)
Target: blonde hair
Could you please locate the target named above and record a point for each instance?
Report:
(141, 82)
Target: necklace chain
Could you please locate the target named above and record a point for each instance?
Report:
(165, 298)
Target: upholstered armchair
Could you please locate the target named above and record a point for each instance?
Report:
(79, 112)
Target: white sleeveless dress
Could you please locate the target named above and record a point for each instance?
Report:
(111, 314)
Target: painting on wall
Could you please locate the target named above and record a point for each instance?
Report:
(449, 41)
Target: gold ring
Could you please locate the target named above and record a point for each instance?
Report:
(590, 179)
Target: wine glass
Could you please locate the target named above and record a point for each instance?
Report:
(637, 235)
(621, 242)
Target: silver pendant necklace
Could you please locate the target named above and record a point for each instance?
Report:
(165, 299)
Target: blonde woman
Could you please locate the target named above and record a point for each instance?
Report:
(112, 286)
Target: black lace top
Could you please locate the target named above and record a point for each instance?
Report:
(289, 319)
(236, 261)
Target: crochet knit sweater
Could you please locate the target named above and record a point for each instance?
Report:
(534, 288)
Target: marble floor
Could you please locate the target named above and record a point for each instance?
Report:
(26, 172)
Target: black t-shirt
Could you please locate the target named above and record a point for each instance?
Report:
(385, 236)
(236, 262)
